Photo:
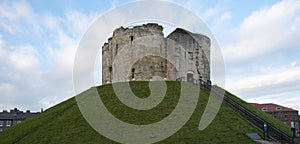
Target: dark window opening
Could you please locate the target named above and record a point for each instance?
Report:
(264, 109)
(131, 39)
(132, 73)
(117, 47)
(110, 69)
(190, 55)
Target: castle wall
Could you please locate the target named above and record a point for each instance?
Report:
(138, 35)
(185, 49)
(196, 54)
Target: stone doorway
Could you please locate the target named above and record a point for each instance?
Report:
(189, 77)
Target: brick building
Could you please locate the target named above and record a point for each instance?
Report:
(288, 116)
(13, 117)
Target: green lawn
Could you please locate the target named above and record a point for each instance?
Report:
(285, 128)
(64, 123)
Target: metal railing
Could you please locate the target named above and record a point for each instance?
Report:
(249, 115)
(258, 121)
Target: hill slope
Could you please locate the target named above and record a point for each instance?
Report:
(64, 123)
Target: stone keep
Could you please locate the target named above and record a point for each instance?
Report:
(182, 55)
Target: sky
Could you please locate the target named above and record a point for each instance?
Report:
(259, 41)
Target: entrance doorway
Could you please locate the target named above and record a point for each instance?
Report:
(189, 77)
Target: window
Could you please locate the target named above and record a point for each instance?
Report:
(117, 47)
(1, 123)
(264, 109)
(132, 73)
(278, 108)
(292, 124)
(8, 123)
(279, 115)
(110, 69)
(190, 54)
(131, 39)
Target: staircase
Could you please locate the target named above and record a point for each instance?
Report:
(273, 131)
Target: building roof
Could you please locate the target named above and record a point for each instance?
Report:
(16, 114)
(196, 36)
(271, 107)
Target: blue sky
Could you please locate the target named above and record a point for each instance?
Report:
(38, 40)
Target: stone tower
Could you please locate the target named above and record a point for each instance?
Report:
(186, 55)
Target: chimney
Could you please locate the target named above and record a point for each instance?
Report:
(14, 111)
(27, 111)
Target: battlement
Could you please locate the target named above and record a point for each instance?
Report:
(145, 27)
(152, 26)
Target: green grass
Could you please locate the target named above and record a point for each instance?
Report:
(285, 128)
(64, 123)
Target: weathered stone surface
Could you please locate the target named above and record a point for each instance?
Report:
(142, 53)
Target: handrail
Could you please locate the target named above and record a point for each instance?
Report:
(252, 117)
(259, 121)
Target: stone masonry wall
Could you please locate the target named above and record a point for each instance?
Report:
(189, 51)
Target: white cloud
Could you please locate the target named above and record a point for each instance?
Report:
(24, 58)
(217, 15)
(20, 76)
(268, 78)
(79, 22)
(38, 76)
(261, 55)
(14, 13)
(264, 31)
(214, 14)
(224, 17)
(274, 84)
(51, 23)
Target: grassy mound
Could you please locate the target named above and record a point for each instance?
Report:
(64, 123)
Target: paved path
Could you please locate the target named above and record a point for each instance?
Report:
(266, 142)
